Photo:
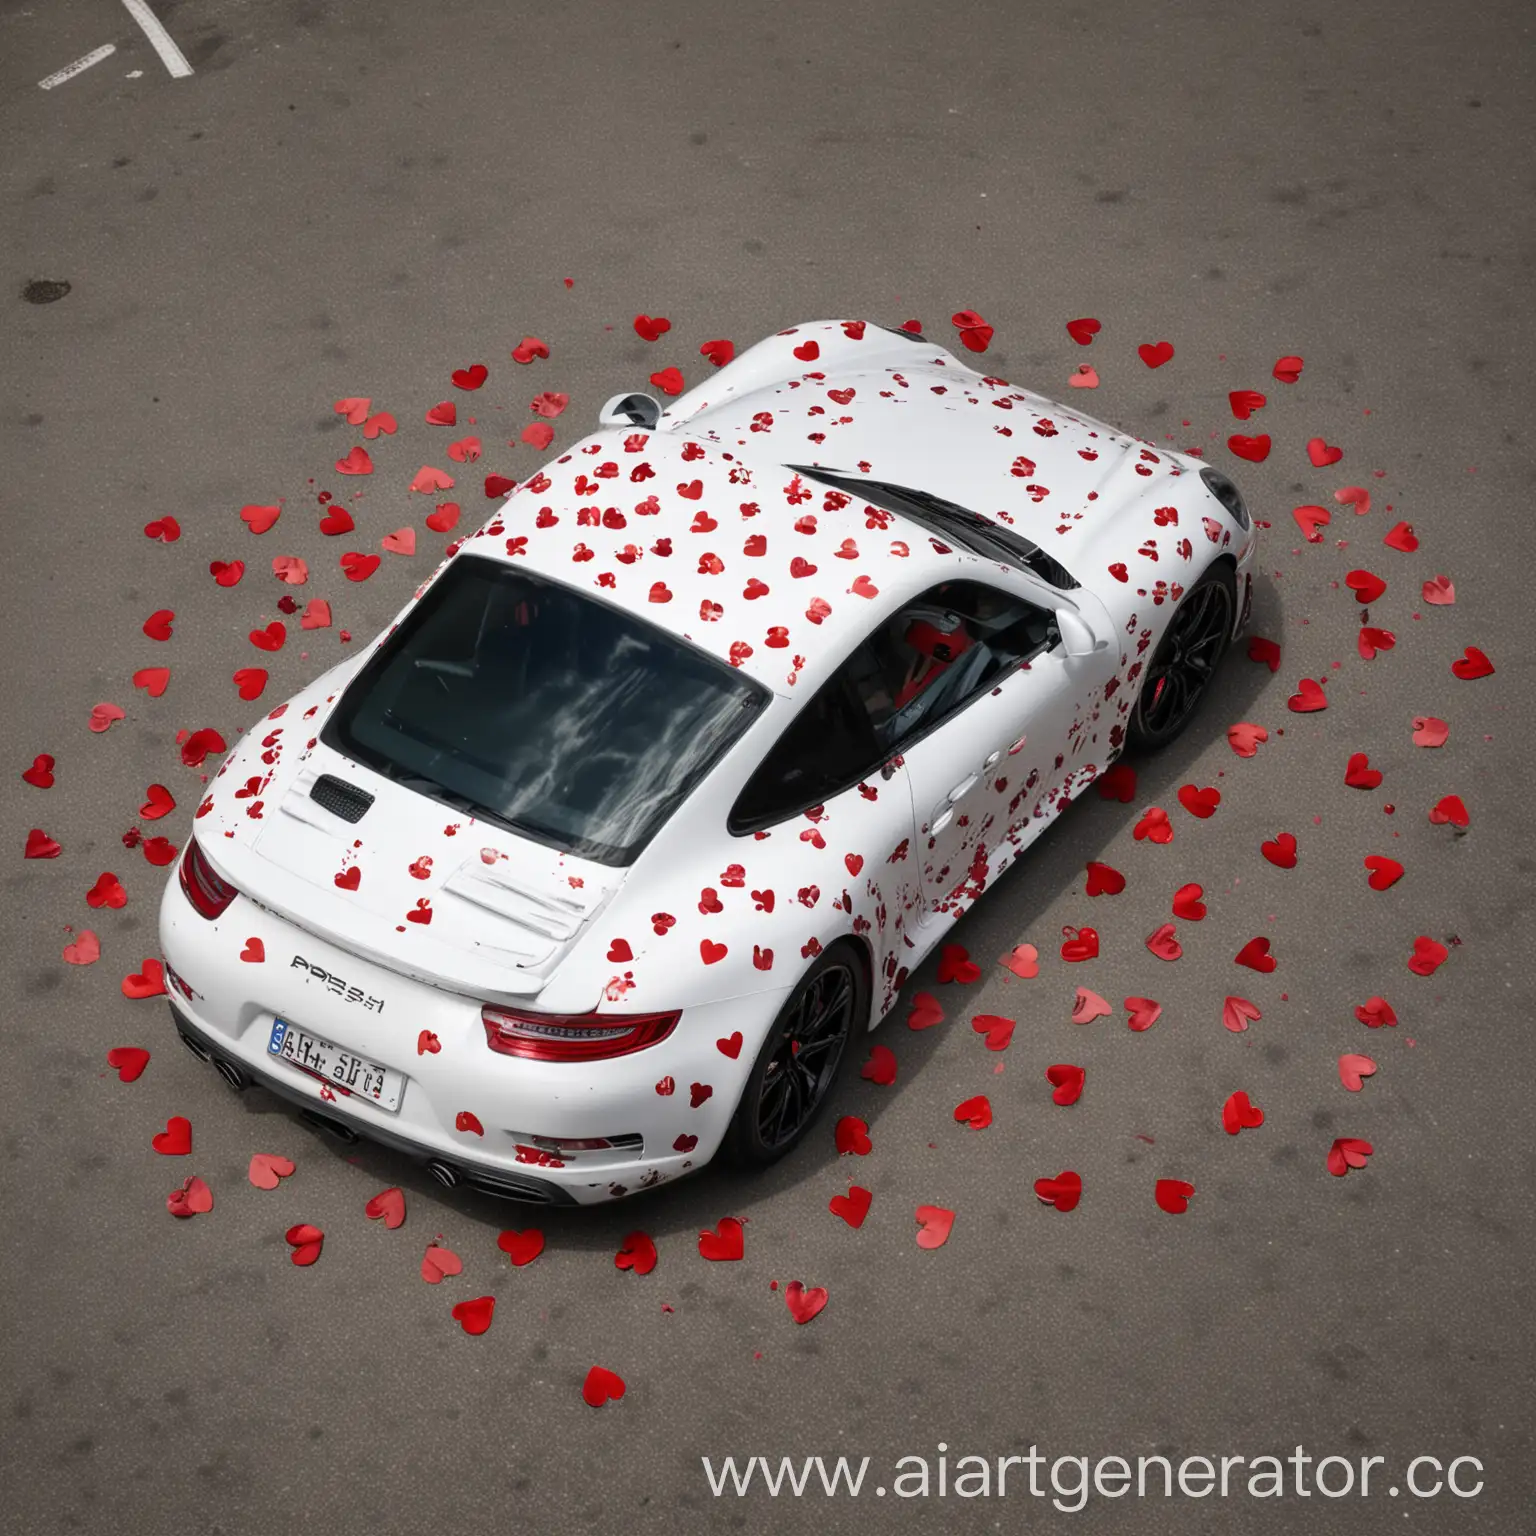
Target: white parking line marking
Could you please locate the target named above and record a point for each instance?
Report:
(161, 40)
(78, 67)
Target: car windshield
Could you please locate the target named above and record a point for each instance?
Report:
(549, 712)
(970, 530)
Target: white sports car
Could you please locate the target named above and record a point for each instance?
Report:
(597, 861)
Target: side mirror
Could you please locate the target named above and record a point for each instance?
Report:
(630, 410)
(1077, 636)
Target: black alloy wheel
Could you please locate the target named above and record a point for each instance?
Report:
(799, 1062)
(1185, 661)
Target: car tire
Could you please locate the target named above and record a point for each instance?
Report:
(835, 985)
(1185, 661)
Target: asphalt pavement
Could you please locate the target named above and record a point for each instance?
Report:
(207, 243)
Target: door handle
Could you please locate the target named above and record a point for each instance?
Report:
(993, 759)
(942, 820)
(963, 788)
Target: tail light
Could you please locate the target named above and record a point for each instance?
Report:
(572, 1036)
(202, 884)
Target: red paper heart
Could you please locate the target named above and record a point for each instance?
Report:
(348, 879)
(1118, 784)
(255, 952)
(1375, 1013)
(1088, 1006)
(41, 846)
(1288, 369)
(1063, 1192)
(852, 1207)
(537, 434)
(521, 1247)
(529, 348)
(354, 408)
(1155, 354)
(1449, 808)
(601, 1386)
(719, 352)
(1245, 402)
(730, 1045)
(1355, 496)
(194, 1198)
(651, 329)
(305, 1242)
(724, 1244)
(1187, 903)
(1239, 1114)
(1173, 1195)
(250, 682)
(1308, 698)
(808, 351)
(1254, 449)
(427, 1043)
(271, 638)
(470, 378)
(358, 567)
(1312, 520)
(1154, 826)
(267, 1170)
(40, 774)
(1143, 1013)
(637, 1253)
(1200, 803)
(1322, 454)
(429, 480)
(1358, 774)
(1280, 851)
(153, 680)
(176, 1139)
(158, 801)
(259, 519)
(445, 518)
(1348, 1152)
(1104, 879)
(975, 1112)
(164, 529)
(444, 414)
(955, 964)
(1429, 732)
(1023, 961)
(1067, 1080)
(474, 1316)
(438, 1263)
(1366, 585)
(1083, 331)
(357, 462)
(158, 625)
(669, 381)
(468, 1123)
(852, 1136)
(1264, 651)
(1354, 1069)
(336, 520)
(1370, 640)
(1164, 942)
(388, 1205)
(1237, 1012)
(401, 542)
(1401, 537)
(1080, 944)
(880, 1069)
(1473, 664)
(997, 1030)
(1428, 956)
(227, 573)
(1384, 872)
(804, 1304)
(150, 982)
(1255, 956)
(710, 952)
(129, 1060)
(934, 1225)
(926, 1012)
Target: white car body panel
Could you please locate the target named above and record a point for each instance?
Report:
(704, 506)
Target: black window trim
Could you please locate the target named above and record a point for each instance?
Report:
(745, 828)
(1004, 542)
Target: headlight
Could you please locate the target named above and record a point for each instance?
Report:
(1228, 495)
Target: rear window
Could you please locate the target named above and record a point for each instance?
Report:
(551, 713)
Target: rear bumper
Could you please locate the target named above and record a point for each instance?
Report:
(474, 1117)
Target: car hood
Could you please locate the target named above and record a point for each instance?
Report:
(412, 884)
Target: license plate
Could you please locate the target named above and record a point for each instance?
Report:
(346, 1072)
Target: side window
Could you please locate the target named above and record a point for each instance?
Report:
(828, 746)
(952, 643)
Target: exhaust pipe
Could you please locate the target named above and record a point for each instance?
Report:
(231, 1074)
(335, 1127)
(446, 1176)
(197, 1048)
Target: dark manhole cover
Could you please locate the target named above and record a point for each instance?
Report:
(44, 292)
